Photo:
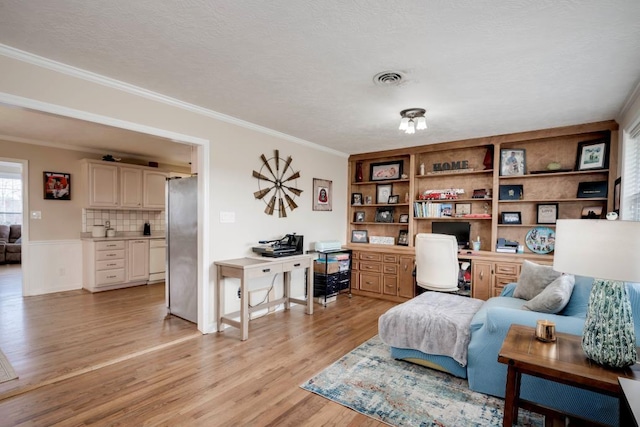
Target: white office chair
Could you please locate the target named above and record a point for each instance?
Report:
(437, 267)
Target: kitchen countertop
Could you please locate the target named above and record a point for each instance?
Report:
(121, 236)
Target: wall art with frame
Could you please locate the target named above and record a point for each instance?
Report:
(512, 161)
(383, 192)
(593, 155)
(359, 216)
(359, 236)
(384, 214)
(384, 171)
(322, 194)
(511, 218)
(57, 185)
(403, 238)
(546, 213)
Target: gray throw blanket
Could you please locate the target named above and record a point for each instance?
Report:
(433, 322)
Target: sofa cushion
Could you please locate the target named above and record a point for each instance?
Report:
(554, 297)
(4, 233)
(15, 232)
(533, 279)
(577, 305)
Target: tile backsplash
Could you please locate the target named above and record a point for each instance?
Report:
(122, 221)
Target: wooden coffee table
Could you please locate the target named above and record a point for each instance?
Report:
(563, 362)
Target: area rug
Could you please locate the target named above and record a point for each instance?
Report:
(6, 370)
(368, 380)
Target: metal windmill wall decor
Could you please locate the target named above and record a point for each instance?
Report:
(278, 184)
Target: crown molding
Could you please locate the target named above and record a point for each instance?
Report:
(69, 70)
(631, 99)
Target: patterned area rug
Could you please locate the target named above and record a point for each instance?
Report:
(6, 370)
(370, 381)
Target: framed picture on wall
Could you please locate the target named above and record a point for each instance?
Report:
(57, 185)
(322, 194)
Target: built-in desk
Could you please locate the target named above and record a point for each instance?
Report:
(251, 268)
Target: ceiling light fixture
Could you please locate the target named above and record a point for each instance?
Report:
(413, 119)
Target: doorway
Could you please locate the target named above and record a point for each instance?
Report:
(13, 208)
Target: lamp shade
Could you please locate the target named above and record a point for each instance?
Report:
(598, 248)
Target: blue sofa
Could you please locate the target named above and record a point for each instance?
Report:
(489, 328)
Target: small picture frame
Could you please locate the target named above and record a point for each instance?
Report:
(383, 192)
(356, 199)
(322, 194)
(462, 209)
(547, 213)
(368, 200)
(616, 195)
(592, 212)
(592, 189)
(510, 192)
(512, 161)
(359, 236)
(403, 238)
(384, 214)
(393, 199)
(358, 216)
(511, 218)
(385, 171)
(593, 155)
(404, 218)
(57, 185)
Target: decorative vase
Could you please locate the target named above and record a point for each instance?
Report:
(609, 336)
(488, 158)
(359, 176)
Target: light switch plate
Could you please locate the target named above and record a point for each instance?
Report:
(227, 217)
(36, 214)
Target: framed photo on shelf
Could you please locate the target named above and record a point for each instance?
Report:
(57, 185)
(510, 192)
(592, 189)
(593, 155)
(404, 218)
(359, 236)
(368, 200)
(322, 194)
(547, 213)
(356, 198)
(393, 199)
(616, 195)
(403, 238)
(462, 209)
(358, 216)
(384, 214)
(383, 192)
(592, 212)
(511, 218)
(384, 171)
(512, 161)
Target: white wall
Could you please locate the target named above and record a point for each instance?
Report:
(234, 151)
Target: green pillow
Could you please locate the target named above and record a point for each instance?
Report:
(554, 297)
(533, 279)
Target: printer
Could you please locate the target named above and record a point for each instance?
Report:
(289, 245)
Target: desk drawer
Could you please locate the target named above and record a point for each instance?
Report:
(107, 277)
(110, 264)
(370, 266)
(392, 259)
(390, 269)
(506, 269)
(109, 255)
(266, 270)
(370, 282)
(370, 256)
(295, 264)
(105, 246)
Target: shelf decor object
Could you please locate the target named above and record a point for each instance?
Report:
(385, 171)
(512, 161)
(593, 155)
(592, 189)
(547, 213)
(540, 240)
(606, 251)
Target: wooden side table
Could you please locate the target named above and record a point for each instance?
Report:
(563, 362)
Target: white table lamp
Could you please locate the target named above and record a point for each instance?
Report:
(608, 251)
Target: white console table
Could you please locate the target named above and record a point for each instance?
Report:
(251, 268)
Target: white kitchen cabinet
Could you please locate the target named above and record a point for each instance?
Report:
(157, 260)
(138, 260)
(130, 187)
(154, 188)
(103, 185)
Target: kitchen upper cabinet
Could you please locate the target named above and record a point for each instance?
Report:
(124, 186)
(103, 185)
(154, 185)
(130, 187)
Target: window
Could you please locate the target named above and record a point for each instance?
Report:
(630, 197)
(10, 199)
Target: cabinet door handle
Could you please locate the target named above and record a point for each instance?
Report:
(296, 265)
(266, 270)
(481, 275)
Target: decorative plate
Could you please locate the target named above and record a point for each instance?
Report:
(541, 240)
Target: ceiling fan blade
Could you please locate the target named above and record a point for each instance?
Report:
(277, 161)
(290, 202)
(260, 194)
(266, 163)
(270, 206)
(260, 176)
(294, 176)
(282, 213)
(294, 190)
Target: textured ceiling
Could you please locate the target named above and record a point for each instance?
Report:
(305, 68)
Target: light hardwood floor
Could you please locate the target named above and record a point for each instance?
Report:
(113, 358)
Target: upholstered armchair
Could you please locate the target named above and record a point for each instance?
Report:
(10, 243)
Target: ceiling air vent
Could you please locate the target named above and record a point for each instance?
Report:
(388, 78)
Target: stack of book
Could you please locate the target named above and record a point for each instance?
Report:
(507, 246)
(428, 209)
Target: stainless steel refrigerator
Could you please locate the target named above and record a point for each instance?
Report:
(182, 247)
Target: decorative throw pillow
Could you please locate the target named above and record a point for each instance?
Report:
(533, 279)
(554, 297)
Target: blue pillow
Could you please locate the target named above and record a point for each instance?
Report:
(577, 305)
